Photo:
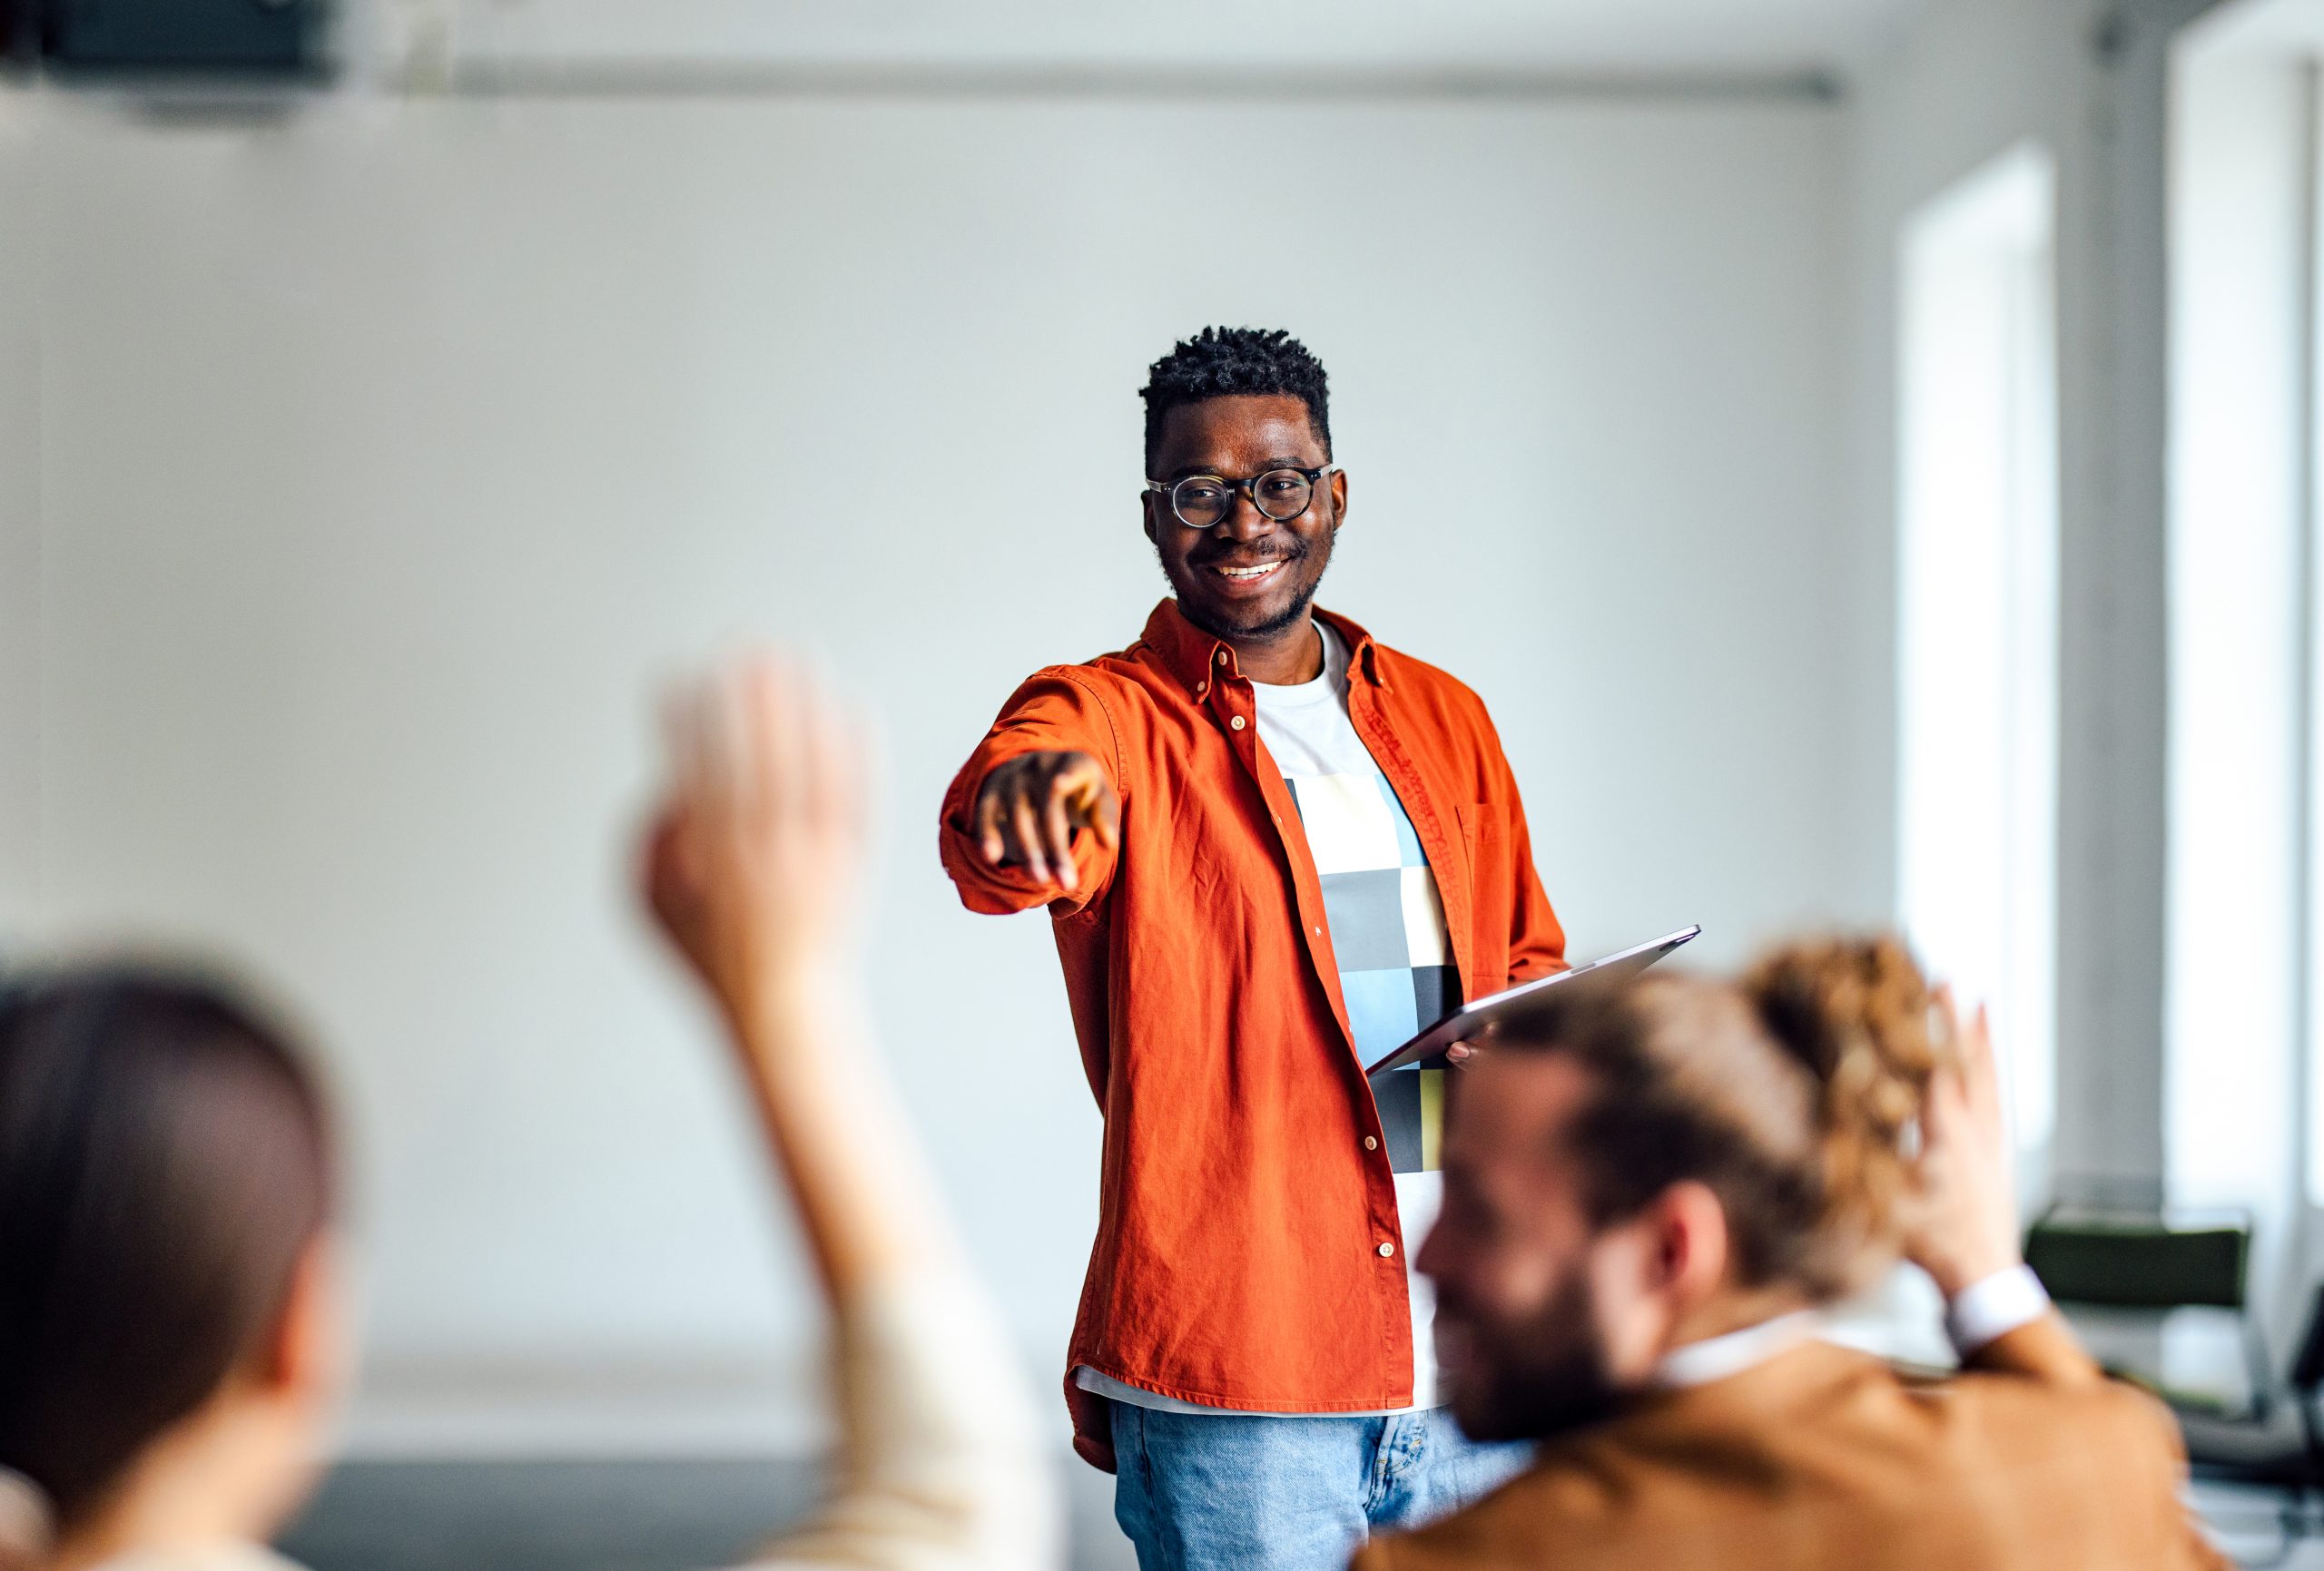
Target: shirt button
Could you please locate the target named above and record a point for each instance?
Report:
(1237, 723)
(1319, 932)
(1371, 1142)
(1222, 657)
(1387, 1251)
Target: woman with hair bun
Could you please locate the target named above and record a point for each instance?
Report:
(173, 1333)
(1647, 1202)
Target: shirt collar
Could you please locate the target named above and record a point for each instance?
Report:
(1192, 656)
(1716, 1357)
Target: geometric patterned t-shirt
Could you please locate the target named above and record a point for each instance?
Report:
(1388, 939)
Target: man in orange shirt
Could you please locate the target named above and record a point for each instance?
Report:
(1273, 850)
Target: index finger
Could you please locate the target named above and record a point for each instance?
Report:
(1096, 803)
(1060, 829)
(1984, 1066)
(1972, 1045)
(988, 826)
(1029, 836)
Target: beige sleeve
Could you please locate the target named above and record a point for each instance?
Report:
(2198, 1553)
(942, 1464)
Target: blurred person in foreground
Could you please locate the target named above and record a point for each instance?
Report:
(173, 1334)
(1273, 849)
(1645, 1204)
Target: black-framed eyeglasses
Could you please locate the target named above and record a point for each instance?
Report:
(1204, 501)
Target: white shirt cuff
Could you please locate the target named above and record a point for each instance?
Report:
(1984, 1311)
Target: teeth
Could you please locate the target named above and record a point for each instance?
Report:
(1250, 572)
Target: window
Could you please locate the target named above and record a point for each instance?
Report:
(1977, 620)
(2239, 1019)
(2240, 812)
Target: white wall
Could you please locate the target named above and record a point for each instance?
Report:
(393, 449)
(1961, 85)
(19, 517)
(1963, 82)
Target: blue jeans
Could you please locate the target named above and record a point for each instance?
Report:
(1234, 1492)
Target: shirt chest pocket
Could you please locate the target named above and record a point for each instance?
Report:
(1492, 893)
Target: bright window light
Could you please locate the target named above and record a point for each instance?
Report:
(2237, 645)
(1977, 619)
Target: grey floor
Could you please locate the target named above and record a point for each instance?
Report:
(598, 1515)
(2248, 1524)
(687, 1516)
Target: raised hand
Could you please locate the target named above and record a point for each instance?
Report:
(1961, 1217)
(755, 859)
(1033, 805)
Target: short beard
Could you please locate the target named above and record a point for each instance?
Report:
(1282, 621)
(1547, 1377)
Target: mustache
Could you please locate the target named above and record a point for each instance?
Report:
(1296, 552)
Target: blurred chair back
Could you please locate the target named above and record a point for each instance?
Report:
(2116, 1263)
(2147, 1263)
(2308, 1373)
(2281, 1449)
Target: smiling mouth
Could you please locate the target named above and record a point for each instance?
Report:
(1246, 574)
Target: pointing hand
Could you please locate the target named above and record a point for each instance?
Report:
(1033, 805)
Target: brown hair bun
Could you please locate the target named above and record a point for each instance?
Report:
(1856, 1013)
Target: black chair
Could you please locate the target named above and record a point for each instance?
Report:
(2146, 1264)
(2283, 1447)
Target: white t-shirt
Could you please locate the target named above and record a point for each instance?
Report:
(1388, 938)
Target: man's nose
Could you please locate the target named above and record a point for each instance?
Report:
(1243, 521)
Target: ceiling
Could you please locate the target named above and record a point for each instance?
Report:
(1310, 41)
(2259, 27)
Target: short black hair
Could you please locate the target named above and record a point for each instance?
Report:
(1225, 362)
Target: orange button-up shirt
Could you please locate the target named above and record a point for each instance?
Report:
(1245, 1195)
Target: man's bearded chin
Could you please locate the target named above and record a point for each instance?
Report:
(1294, 561)
(1543, 1378)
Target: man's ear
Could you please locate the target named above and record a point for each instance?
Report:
(1145, 511)
(1693, 1244)
(305, 1354)
(1339, 499)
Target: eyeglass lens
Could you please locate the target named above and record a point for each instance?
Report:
(1201, 501)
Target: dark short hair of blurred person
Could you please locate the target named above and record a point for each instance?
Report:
(1646, 1204)
(165, 1199)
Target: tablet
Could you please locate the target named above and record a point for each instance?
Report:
(1511, 1009)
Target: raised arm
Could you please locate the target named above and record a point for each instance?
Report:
(1962, 1219)
(1964, 1231)
(753, 868)
(1034, 817)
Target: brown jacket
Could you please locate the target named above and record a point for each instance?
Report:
(1823, 1459)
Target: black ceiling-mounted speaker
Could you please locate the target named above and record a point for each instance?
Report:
(246, 38)
(19, 31)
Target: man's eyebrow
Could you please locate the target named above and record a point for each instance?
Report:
(1265, 466)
